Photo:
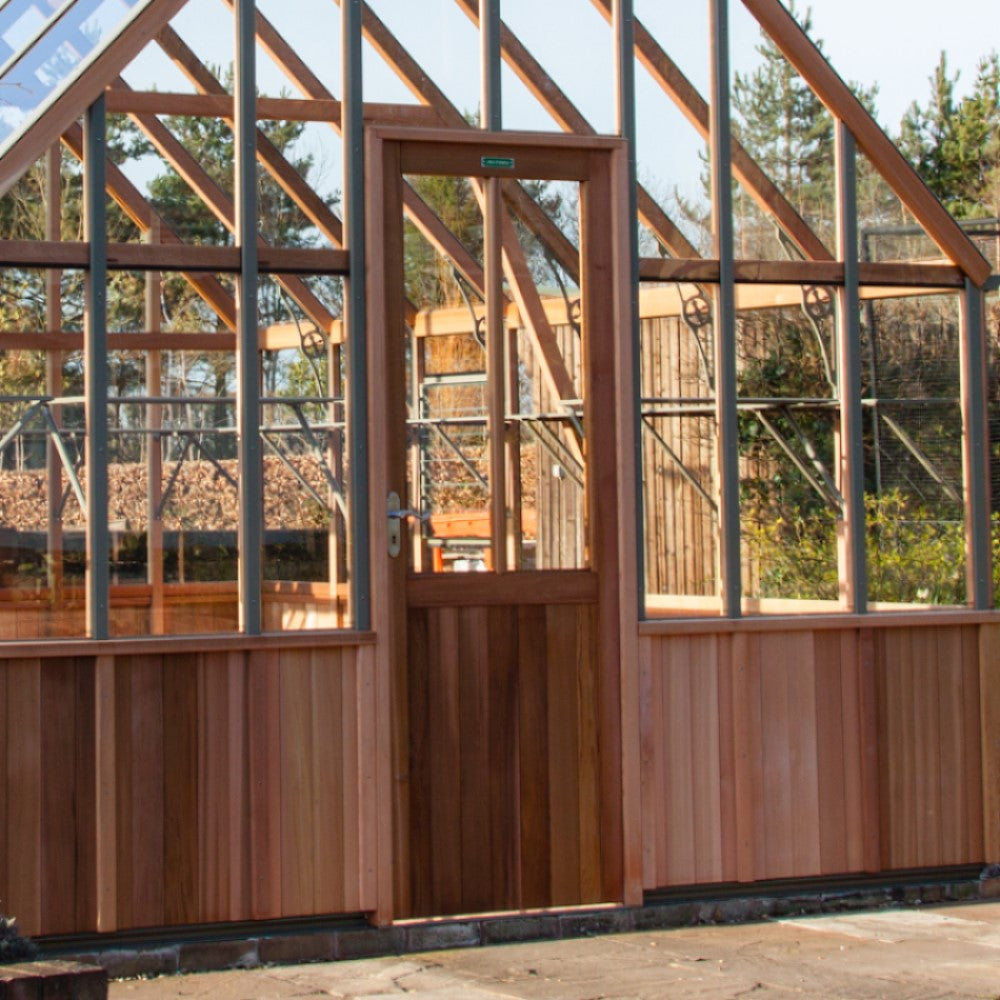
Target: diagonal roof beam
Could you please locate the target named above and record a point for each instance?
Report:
(221, 206)
(84, 90)
(694, 107)
(273, 160)
(800, 51)
(139, 210)
(532, 74)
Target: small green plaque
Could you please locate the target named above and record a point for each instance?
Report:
(498, 162)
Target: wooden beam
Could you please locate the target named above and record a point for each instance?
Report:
(802, 53)
(805, 272)
(286, 109)
(694, 107)
(84, 90)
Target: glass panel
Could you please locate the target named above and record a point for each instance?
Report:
(913, 454)
(678, 429)
(790, 499)
(450, 475)
(305, 558)
(42, 547)
(546, 433)
(47, 50)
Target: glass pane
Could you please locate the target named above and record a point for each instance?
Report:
(305, 558)
(790, 498)
(678, 429)
(46, 50)
(913, 464)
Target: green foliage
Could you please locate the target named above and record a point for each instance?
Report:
(913, 556)
(955, 143)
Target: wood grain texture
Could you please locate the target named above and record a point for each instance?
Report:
(505, 781)
(184, 788)
(772, 754)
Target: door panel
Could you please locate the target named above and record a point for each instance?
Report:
(496, 378)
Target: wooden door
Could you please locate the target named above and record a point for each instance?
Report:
(500, 423)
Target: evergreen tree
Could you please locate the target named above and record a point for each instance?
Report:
(955, 142)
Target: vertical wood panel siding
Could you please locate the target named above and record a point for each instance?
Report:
(930, 750)
(505, 758)
(770, 755)
(239, 788)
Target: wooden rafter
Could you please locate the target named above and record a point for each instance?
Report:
(561, 108)
(693, 106)
(807, 59)
(312, 87)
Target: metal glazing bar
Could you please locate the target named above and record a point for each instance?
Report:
(685, 472)
(250, 448)
(95, 352)
(727, 430)
(976, 444)
(354, 309)
(491, 114)
(623, 29)
(853, 562)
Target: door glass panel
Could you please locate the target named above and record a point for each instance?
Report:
(454, 504)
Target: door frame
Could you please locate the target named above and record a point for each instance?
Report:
(601, 165)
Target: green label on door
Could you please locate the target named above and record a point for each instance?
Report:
(498, 162)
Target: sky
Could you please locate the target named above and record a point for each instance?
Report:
(894, 43)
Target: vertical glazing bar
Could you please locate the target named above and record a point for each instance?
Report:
(95, 354)
(490, 114)
(496, 356)
(853, 561)
(725, 315)
(975, 440)
(251, 487)
(352, 111)
(623, 19)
